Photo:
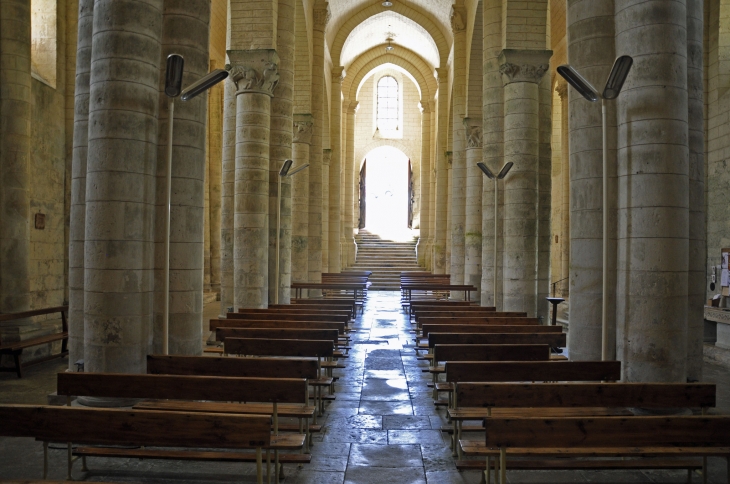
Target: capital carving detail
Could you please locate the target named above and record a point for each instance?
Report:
(425, 107)
(473, 133)
(352, 106)
(523, 66)
(321, 18)
(303, 128)
(254, 71)
(338, 75)
(457, 20)
(562, 89)
(449, 157)
(326, 156)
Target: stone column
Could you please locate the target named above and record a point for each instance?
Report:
(326, 157)
(424, 255)
(335, 205)
(697, 247)
(473, 219)
(653, 186)
(458, 166)
(184, 31)
(120, 188)
(15, 142)
(521, 73)
(591, 52)
(228, 177)
(442, 173)
(255, 73)
(565, 200)
(280, 150)
(492, 146)
(215, 125)
(321, 17)
(349, 184)
(544, 190)
(302, 137)
(77, 220)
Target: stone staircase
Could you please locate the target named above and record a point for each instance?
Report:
(385, 258)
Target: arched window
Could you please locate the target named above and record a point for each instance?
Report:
(387, 104)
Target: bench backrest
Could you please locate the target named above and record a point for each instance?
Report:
(552, 339)
(183, 387)
(239, 367)
(262, 323)
(299, 316)
(478, 313)
(37, 312)
(427, 329)
(491, 353)
(420, 308)
(635, 431)
(346, 307)
(127, 427)
(279, 347)
(498, 320)
(505, 371)
(292, 310)
(277, 333)
(440, 304)
(642, 395)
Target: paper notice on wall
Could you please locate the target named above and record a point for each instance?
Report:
(724, 278)
(725, 257)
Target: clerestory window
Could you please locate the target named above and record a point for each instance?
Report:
(387, 119)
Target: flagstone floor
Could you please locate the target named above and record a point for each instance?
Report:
(382, 427)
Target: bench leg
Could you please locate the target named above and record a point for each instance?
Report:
(276, 467)
(689, 476)
(18, 368)
(704, 470)
(45, 460)
(70, 460)
(268, 467)
(259, 465)
(83, 464)
(502, 466)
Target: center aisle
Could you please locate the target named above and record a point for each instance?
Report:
(383, 426)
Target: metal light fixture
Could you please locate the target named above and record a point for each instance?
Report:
(173, 89)
(499, 176)
(387, 4)
(283, 172)
(389, 48)
(614, 83)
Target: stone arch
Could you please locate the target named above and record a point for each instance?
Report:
(422, 18)
(404, 58)
(377, 143)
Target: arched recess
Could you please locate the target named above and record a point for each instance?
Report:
(375, 57)
(441, 38)
(395, 143)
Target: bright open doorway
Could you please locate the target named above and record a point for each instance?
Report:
(386, 179)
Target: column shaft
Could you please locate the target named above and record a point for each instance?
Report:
(185, 27)
(458, 166)
(77, 220)
(215, 128)
(424, 253)
(228, 177)
(473, 202)
(442, 170)
(653, 213)
(335, 173)
(120, 188)
(591, 52)
(565, 201)
(326, 156)
(300, 199)
(350, 184)
(544, 189)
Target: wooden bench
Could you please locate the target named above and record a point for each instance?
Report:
(607, 440)
(348, 308)
(477, 401)
(407, 290)
(223, 331)
(357, 289)
(306, 368)
(554, 339)
(15, 349)
(287, 347)
(179, 430)
(497, 321)
(274, 397)
(335, 301)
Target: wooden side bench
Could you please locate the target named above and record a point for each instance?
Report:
(607, 438)
(16, 349)
(104, 427)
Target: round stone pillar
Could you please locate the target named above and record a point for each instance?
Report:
(473, 219)
(351, 247)
(77, 219)
(302, 137)
(326, 157)
(228, 178)
(653, 192)
(442, 176)
(120, 188)
(521, 72)
(424, 249)
(458, 165)
(335, 173)
(255, 73)
(591, 52)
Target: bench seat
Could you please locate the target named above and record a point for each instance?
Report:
(587, 465)
(479, 448)
(283, 409)
(191, 455)
(20, 345)
(477, 413)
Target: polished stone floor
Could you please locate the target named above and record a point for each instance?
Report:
(382, 428)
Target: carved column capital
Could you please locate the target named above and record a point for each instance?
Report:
(425, 107)
(303, 128)
(561, 87)
(351, 106)
(442, 74)
(321, 16)
(326, 156)
(458, 14)
(473, 132)
(254, 71)
(449, 157)
(338, 75)
(523, 65)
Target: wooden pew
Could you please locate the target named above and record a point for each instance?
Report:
(224, 331)
(471, 314)
(101, 426)
(608, 440)
(15, 349)
(292, 316)
(425, 288)
(334, 301)
(357, 289)
(262, 323)
(427, 329)
(551, 339)
(349, 308)
(286, 347)
(496, 321)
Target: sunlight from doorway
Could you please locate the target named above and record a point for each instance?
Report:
(386, 194)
